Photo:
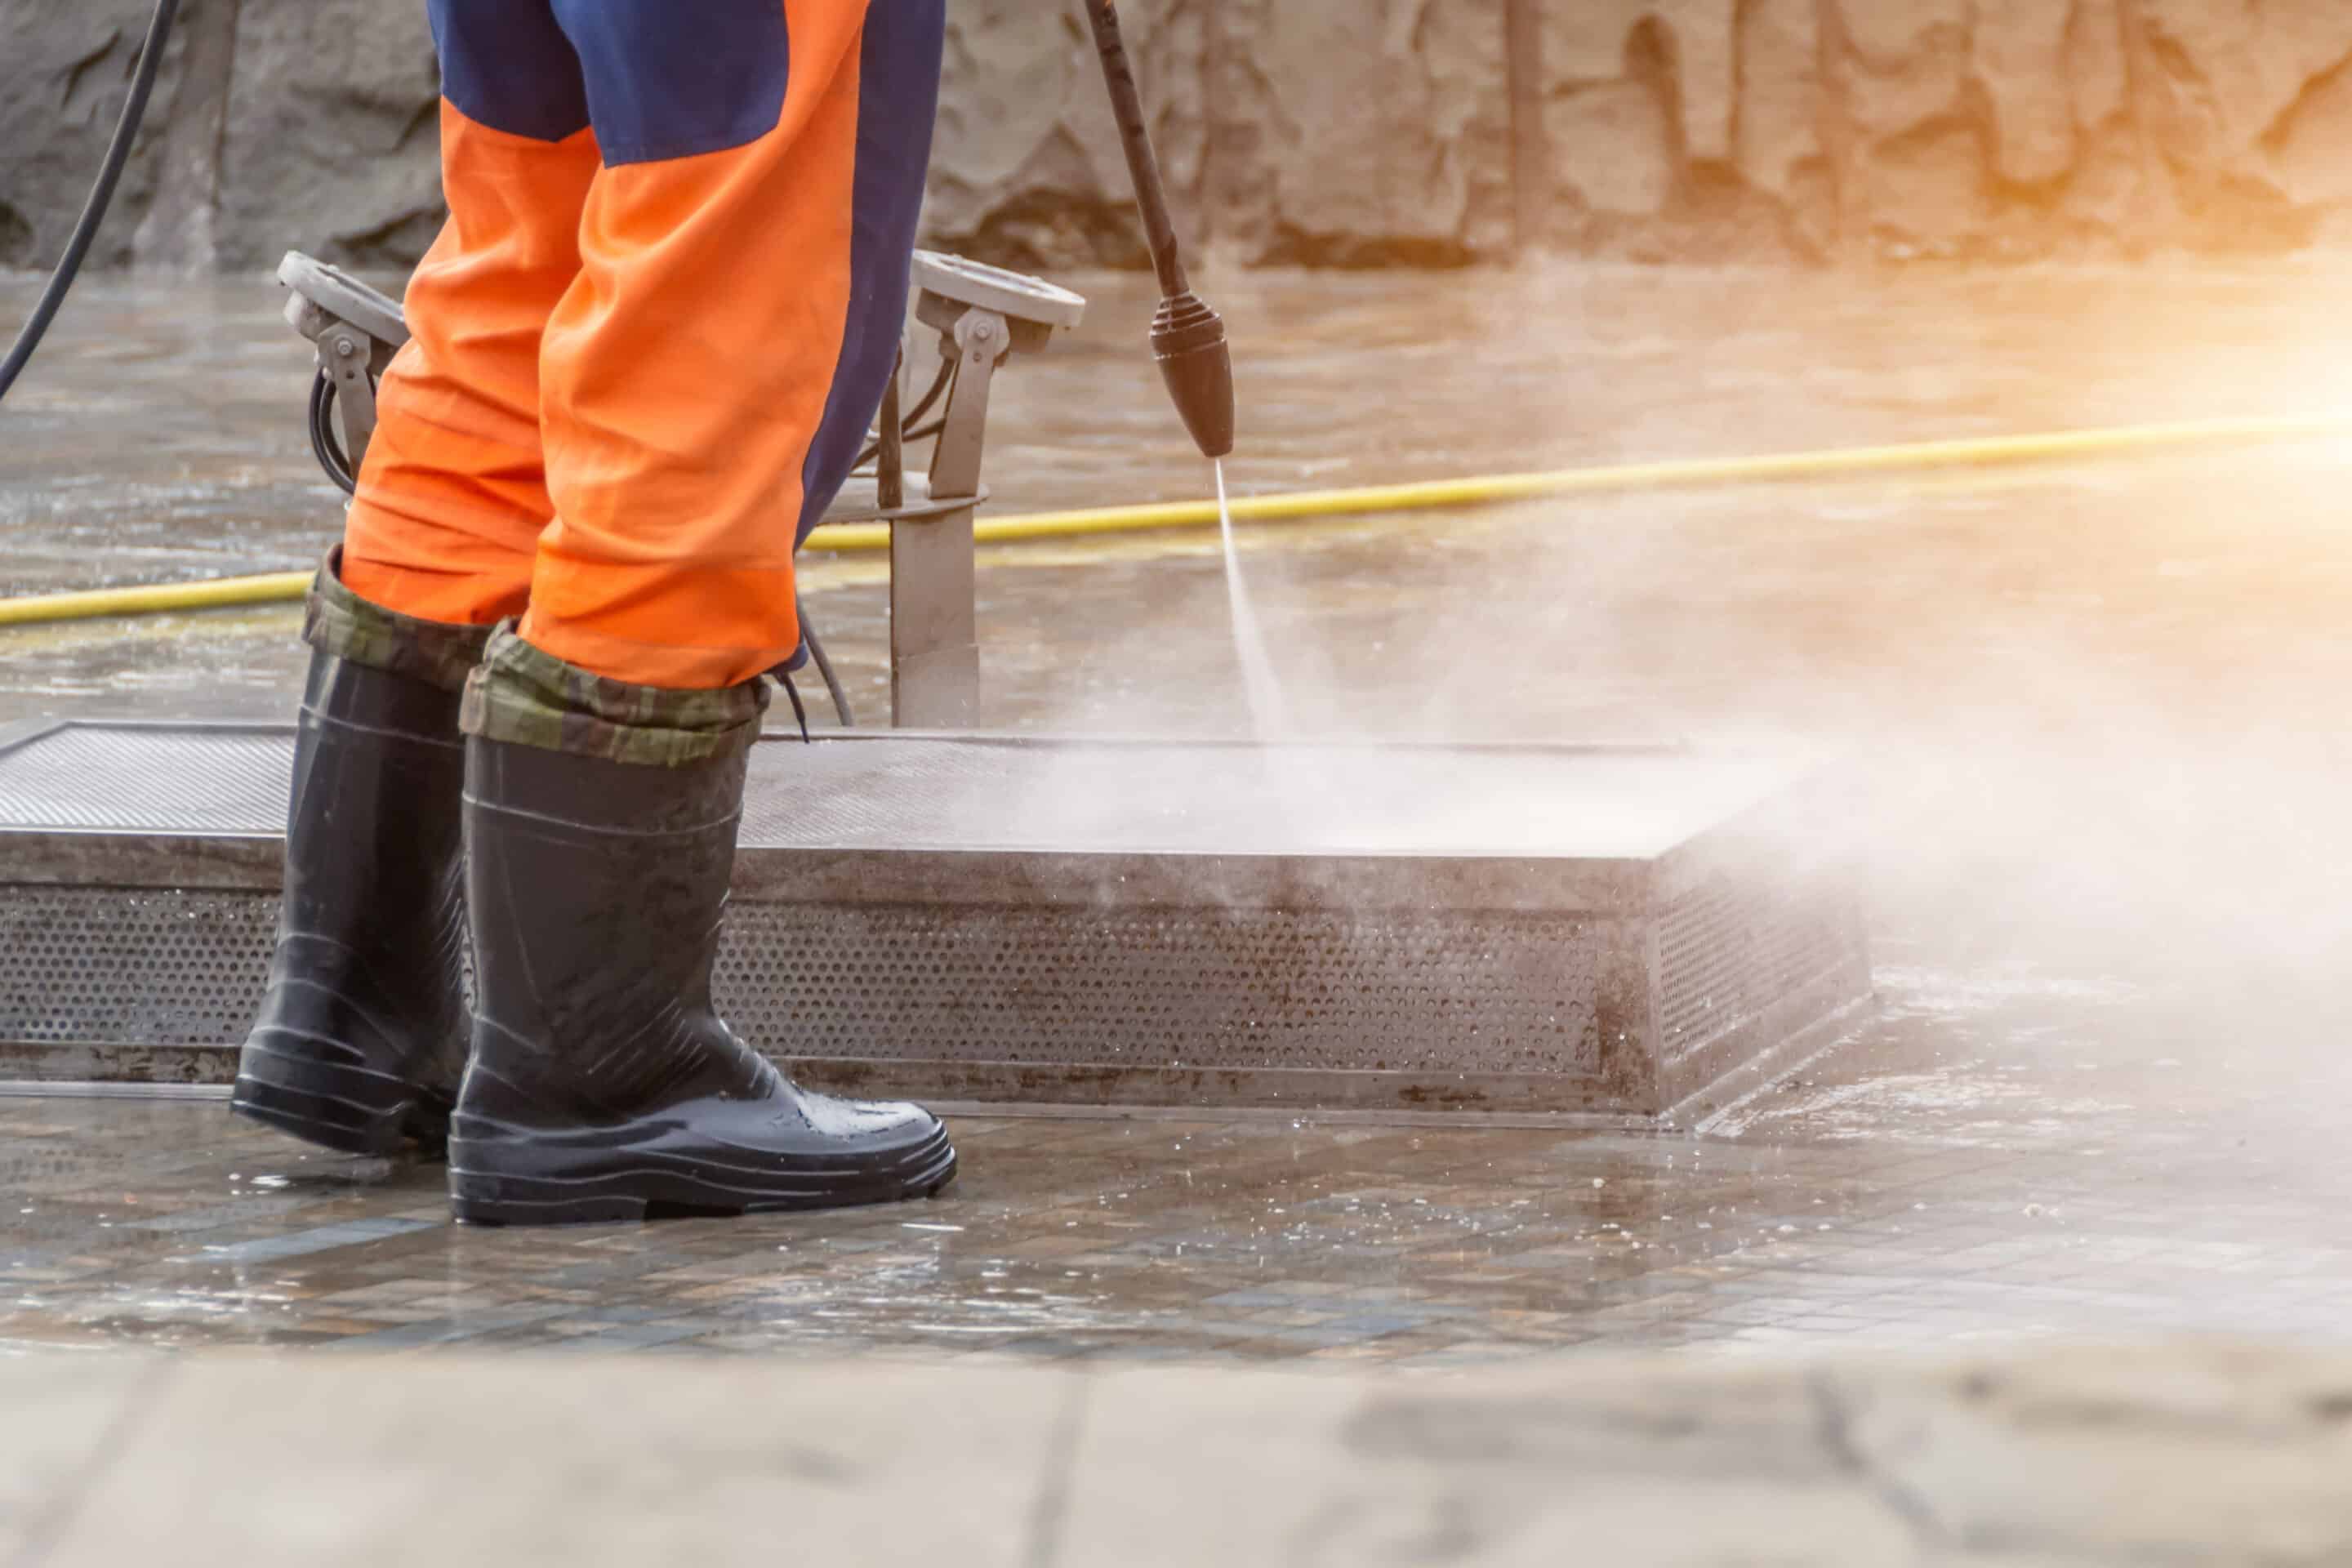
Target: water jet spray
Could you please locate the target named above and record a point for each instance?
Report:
(1187, 337)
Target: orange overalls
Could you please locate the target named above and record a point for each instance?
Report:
(648, 343)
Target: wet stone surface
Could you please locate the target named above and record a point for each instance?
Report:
(1894, 1197)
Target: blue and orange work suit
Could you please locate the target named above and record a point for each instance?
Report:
(649, 341)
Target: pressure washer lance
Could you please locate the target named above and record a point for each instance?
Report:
(1188, 337)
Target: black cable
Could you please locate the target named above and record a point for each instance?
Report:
(800, 710)
(324, 445)
(93, 212)
(824, 668)
(940, 384)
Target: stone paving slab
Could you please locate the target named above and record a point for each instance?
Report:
(2216, 1454)
(2200, 1452)
(1604, 1464)
(61, 1421)
(238, 1462)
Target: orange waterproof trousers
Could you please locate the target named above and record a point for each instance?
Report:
(648, 343)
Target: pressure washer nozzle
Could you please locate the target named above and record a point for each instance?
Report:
(1190, 338)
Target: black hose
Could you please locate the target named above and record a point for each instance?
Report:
(947, 365)
(940, 383)
(324, 445)
(93, 212)
(824, 668)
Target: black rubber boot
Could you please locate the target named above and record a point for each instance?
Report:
(362, 1035)
(601, 1085)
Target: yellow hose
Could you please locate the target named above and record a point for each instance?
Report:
(155, 599)
(1489, 489)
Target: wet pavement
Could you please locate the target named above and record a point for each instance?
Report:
(1897, 1195)
(2097, 711)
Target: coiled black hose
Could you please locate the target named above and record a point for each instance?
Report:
(93, 211)
(324, 444)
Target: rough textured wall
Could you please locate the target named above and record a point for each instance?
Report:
(1365, 132)
(64, 67)
(334, 132)
(1332, 132)
(1026, 167)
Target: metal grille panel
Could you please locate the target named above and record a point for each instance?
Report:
(131, 967)
(1193, 988)
(1729, 950)
(106, 780)
(1198, 989)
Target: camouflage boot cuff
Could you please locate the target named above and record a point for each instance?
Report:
(526, 698)
(341, 625)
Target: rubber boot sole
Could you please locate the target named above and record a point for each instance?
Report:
(345, 1109)
(627, 1184)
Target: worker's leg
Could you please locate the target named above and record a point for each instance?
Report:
(709, 377)
(743, 279)
(453, 496)
(362, 1033)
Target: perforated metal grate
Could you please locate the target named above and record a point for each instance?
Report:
(1727, 951)
(1237, 990)
(194, 781)
(1214, 989)
(131, 967)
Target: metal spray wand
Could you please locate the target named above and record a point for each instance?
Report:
(1187, 336)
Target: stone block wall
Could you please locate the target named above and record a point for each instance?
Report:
(1345, 132)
